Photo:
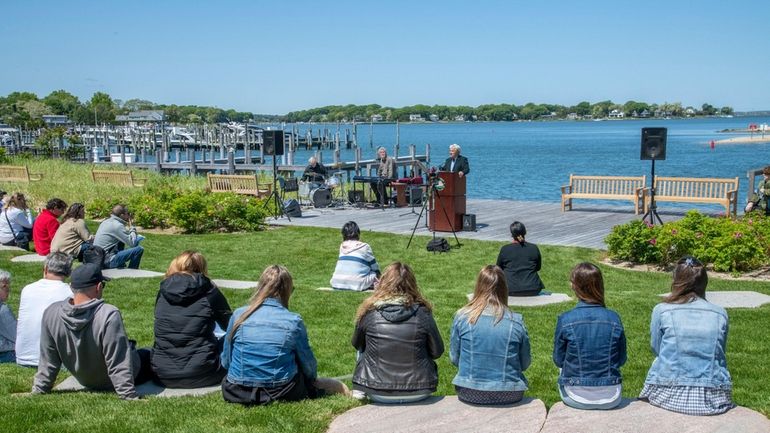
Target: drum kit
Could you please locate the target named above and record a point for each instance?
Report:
(323, 194)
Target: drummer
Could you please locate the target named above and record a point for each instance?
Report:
(315, 172)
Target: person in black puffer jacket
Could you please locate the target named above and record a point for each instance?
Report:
(398, 341)
(186, 351)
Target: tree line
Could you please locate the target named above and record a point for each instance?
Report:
(25, 110)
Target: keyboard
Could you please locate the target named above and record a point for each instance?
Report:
(371, 179)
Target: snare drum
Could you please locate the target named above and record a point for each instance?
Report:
(321, 197)
(332, 182)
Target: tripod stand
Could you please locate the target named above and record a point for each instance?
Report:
(278, 209)
(432, 190)
(652, 212)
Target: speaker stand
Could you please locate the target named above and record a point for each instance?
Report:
(278, 209)
(652, 212)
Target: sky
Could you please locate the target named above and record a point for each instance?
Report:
(272, 57)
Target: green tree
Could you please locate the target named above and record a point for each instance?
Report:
(708, 110)
(62, 102)
(138, 105)
(102, 107)
(726, 111)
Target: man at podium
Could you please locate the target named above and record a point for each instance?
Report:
(456, 163)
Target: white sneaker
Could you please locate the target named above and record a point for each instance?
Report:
(359, 395)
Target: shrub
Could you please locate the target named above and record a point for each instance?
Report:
(634, 241)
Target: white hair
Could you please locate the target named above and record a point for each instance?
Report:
(456, 147)
(312, 159)
(5, 276)
(381, 148)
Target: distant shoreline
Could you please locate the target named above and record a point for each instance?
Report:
(757, 138)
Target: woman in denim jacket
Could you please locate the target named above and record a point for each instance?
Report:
(589, 346)
(688, 336)
(266, 349)
(490, 345)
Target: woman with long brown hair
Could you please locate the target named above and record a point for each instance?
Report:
(266, 349)
(397, 340)
(489, 344)
(73, 237)
(188, 308)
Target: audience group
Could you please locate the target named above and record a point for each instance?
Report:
(262, 352)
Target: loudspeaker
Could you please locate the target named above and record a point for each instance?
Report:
(469, 222)
(356, 196)
(653, 143)
(291, 208)
(272, 142)
(414, 195)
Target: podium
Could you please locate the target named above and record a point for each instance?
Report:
(452, 200)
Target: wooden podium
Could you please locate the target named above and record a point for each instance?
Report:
(452, 200)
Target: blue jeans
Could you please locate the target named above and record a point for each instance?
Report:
(7, 357)
(131, 255)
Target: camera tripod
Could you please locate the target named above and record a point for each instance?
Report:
(431, 191)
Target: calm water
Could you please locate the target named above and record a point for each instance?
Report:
(531, 160)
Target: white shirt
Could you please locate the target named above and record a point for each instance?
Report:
(35, 298)
(19, 219)
(594, 394)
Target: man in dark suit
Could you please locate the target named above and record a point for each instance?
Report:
(456, 163)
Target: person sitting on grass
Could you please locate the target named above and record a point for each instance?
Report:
(266, 350)
(187, 309)
(520, 260)
(589, 345)
(33, 301)
(46, 225)
(489, 344)
(688, 336)
(397, 340)
(73, 237)
(7, 321)
(356, 268)
(16, 223)
(118, 238)
(86, 336)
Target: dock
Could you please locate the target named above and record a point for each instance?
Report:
(585, 226)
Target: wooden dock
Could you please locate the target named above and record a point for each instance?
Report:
(586, 226)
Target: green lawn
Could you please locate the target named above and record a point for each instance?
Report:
(310, 255)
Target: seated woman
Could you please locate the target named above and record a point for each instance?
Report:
(73, 237)
(589, 345)
(520, 261)
(187, 309)
(489, 344)
(16, 223)
(356, 269)
(267, 353)
(398, 341)
(688, 336)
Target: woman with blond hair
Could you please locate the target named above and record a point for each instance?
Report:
(16, 223)
(266, 350)
(187, 309)
(397, 340)
(489, 344)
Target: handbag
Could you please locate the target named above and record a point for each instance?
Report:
(20, 240)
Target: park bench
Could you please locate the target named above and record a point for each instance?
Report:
(239, 184)
(698, 190)
(604, 188)
(117, 177)
(15, 173)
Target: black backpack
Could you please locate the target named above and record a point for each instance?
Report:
(95, 255)
(438, 245)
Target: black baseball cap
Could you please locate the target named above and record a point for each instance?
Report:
(87, 275)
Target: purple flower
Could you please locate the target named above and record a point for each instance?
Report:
(648, 224)
(653, 241)
(674, 232)
(737, 235)
(699, 235)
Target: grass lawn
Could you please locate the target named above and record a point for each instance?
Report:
(310, 255)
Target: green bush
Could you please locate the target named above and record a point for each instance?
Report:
(728, 245)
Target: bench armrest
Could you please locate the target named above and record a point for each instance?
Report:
(34, 177)
(566, 189)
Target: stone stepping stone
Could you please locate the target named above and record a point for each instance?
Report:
(544, 298)
(7, 248)
(29, 258)
(442, 414)
(130, 273)
(145, 389)
(736, 299)
(235, 284)
(638, 416)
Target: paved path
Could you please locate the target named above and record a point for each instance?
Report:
(585, 226)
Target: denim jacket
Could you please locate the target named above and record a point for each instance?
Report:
(490, 357)
(689, 341)
(269, 348)
(589, 346)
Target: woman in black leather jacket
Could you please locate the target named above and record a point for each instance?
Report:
(397, 340)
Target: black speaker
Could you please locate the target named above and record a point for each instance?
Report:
(272, 142)
(356, 196)
(414, 195)
(469, 222)
(292, 208)
(653, 143)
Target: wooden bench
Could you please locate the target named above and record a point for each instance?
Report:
(698, 190)
(605, 188)
(15, 173)
(239, 184)
(117, 177)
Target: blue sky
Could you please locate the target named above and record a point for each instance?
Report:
(274, 57)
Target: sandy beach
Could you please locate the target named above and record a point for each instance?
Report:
(756, 138)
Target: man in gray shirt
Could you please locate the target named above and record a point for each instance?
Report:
(119, 240)
(87, 336)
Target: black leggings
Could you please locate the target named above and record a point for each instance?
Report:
(297, 389)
